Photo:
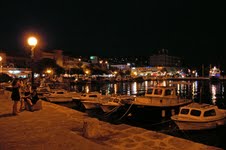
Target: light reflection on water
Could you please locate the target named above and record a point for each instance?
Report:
(213, 93)
(199, 91)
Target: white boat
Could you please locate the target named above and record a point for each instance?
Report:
(60, 96)
(113, 103)
(94, 97)
(197, 116)
(95, 103)
(42, 91)
(91, 104)
(162, 98)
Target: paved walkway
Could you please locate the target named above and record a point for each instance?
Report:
(57, 127)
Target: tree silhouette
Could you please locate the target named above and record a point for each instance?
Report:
(42, 65)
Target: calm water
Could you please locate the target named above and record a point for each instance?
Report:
(199, 91)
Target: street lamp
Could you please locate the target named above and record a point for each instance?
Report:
(1, 63)
(32, 41)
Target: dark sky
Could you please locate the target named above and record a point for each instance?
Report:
(193, 30)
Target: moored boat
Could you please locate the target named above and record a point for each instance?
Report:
(197, 116)
(163, 98)
(91, 99)
(214, 74)
(114, 102)
(60, 95)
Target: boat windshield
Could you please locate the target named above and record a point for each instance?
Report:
(60, 92)
(92, 95)
(211, 112)
(195, 112)
(149, 91)
(168, 92)
(158, 91)
(184, 111)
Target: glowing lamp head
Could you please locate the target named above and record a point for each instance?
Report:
(0, 58)
(32, 41)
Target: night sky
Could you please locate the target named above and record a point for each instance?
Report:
(193, 30)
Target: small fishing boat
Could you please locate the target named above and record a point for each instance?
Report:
(158, 100)
(88, 100)
(197, 116)
(114, 102)
(60, 95)
(214, 74)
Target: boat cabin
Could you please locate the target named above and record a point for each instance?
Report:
(161, 96)
(91, 95)
(197, 116)
(200, 111)
(161, 91)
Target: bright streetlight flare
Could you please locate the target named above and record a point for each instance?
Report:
(32, 41)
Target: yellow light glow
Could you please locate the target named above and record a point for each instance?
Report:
(48, 71)
(32, 41)
(0, 58)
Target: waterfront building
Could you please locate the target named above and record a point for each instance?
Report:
(163, 59)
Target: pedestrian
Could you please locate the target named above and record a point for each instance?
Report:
(22, 92)
(15, 96)
(32, 99)
(26, 95)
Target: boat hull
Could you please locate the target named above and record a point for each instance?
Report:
(185, 125)
(153, 110)
(90, 105)
(109, 107)
(59, 99)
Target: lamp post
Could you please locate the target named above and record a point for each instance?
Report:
(32, 41)
(1, 63)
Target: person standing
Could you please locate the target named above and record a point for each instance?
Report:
(22, 91)
(15, 96)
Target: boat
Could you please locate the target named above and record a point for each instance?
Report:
(91, 104)
(94, 97)
(113, 103)
(214, 74)
(42, 91)
(199, 116)
(60, 95)
(99, 102)
(161, 98)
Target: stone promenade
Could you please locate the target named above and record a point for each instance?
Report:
(60, 128)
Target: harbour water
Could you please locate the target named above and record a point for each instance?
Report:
(202, 91)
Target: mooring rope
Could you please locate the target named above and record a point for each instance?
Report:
(110, 112)
(125, 112)
(162, 122)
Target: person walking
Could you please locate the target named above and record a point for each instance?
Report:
(15, 96)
